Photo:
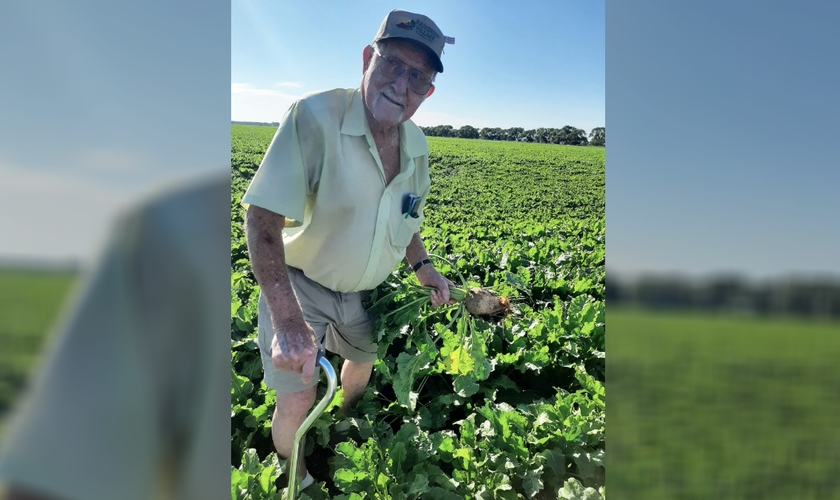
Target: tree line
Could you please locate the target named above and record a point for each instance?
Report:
(729, 293)
(567, 135)
(262, 124)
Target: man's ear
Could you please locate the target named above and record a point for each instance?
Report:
(430, 92)
(367, 55)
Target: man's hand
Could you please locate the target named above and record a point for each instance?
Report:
(294, 349)
(429, 276)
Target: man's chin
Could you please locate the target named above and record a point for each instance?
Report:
(389, 117)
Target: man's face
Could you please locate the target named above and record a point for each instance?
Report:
(391, 101)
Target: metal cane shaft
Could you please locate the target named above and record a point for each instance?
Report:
(297, 452)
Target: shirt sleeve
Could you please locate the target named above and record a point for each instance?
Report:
(133, 397)
(289, 170)
(86, 429)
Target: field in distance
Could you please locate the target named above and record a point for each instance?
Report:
(722, 406)
(30, 301)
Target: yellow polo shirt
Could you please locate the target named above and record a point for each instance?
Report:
(344, 227)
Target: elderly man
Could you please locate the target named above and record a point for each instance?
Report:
(347, 176)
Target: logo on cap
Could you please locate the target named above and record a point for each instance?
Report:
(423, 30)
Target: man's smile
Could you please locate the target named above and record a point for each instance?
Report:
(393, 101)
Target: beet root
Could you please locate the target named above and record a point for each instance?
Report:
(486, 304)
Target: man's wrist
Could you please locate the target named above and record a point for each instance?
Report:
(420, 264)
(288, 318)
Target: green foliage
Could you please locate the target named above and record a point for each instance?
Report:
(723, 406)
(30, 301)
(459, 407)
(248, 144)
(568, 135)
(254, 479)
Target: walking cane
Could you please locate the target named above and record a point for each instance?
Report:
(313, 415)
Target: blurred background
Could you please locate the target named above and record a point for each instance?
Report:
(104, 105)
(723, 281)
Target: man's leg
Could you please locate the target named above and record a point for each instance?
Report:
(354, 380)
(289, 414)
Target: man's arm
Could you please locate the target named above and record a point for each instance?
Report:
(293, 345)
(429, 276)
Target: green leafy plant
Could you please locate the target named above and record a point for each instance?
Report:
(459, 405)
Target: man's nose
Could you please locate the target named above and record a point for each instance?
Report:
(401, 82)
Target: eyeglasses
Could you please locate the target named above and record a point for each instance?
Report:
(392, 67)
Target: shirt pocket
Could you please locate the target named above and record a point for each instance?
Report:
(403, 228)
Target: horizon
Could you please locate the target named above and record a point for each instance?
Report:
(277, 124)
(26, 263)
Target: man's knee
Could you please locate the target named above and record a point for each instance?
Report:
(354, 372)
(294, 404)
(357, 367)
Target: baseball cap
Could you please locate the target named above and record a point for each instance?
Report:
(417, 27)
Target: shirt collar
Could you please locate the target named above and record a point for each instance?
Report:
(355, 121)
(412, 140)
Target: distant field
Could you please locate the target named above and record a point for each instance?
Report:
(29, 304)
(705, 406)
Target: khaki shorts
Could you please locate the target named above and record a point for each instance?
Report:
(341, 326)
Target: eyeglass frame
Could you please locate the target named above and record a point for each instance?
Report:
(431, 82)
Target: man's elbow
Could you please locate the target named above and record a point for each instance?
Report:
(262, 226)
(255, 215)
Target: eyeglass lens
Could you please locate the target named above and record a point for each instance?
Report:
(418, 82)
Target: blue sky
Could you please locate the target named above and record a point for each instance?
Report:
(722, 151)
(526, 64)
(102, 102)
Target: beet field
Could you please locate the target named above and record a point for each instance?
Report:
(459, 406)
